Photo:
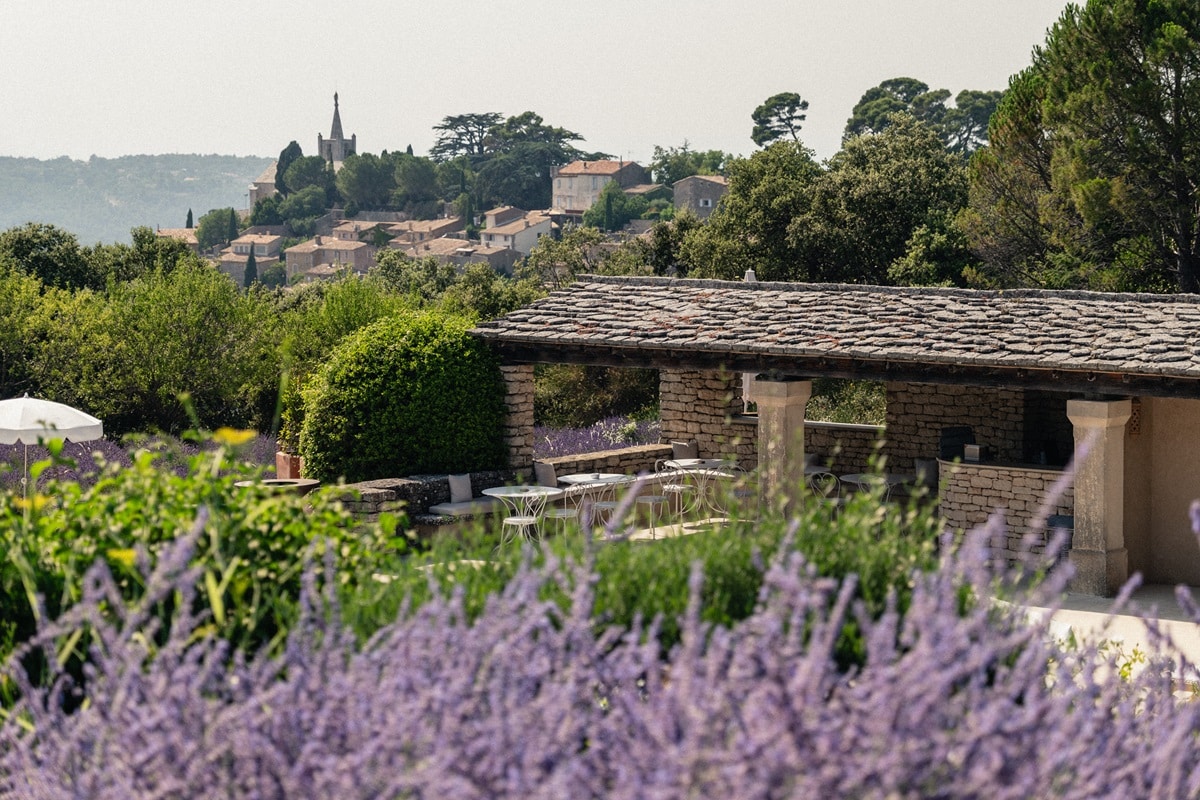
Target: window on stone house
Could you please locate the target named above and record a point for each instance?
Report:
(705, 202)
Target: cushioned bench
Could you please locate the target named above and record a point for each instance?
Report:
(476, 506)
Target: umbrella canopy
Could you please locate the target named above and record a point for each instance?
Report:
(25, 420)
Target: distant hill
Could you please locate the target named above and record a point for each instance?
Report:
(101, 199)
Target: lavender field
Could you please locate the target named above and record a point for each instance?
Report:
(607, 434)
(89, 457)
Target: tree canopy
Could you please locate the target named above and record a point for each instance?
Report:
(779, 117)
(1091, 177)
(676, 163)
(962, 127)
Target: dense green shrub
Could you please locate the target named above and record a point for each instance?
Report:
(314, 318)
(126, 355)
(251, 553)
(406, 395)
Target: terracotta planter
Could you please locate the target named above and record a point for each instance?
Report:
(288, 466)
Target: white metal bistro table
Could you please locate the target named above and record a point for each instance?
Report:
(526, 503)
(600, 487)
(702, 472)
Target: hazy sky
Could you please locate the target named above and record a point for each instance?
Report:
(83, 77)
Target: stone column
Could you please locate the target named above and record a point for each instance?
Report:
(1098, 544)
(781, 407)
(518, 422)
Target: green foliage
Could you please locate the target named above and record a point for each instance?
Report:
(266, 211)
(251, 276)
(301, 207)
(883, 546)
(676, 163)
(213, 228)
(316, 317)
(20, 298)
(251, 553)
(407, 395)
(614, 209)
(962, 128)
(1122, 89)
(463, 136)
(51, 254)
(877, 192)
(852, 402)
(575, 396)
(366, 180)
(128, 356)
(1091, 181)
(274, 276)
(778, 117)
(482, 293)
(749, 229)
(148, 252)
(664, 251)
(188, 223)
(557, 262)
(287, 157)
(416, 184)
(309, 171)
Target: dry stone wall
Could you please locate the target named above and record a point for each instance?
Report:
(518, 424)
(628, 460)
(917, 413)
(702, 406)
(971, 492)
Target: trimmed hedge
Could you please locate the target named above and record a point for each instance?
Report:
(406, 395)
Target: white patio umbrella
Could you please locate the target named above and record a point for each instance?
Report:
(29, 420)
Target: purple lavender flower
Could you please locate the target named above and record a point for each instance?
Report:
(531, 701)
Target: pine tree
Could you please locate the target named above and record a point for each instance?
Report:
(251, 270)
(189, 220)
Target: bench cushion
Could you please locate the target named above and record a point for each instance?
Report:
(467, 508)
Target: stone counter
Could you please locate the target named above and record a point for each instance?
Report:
(971, 492)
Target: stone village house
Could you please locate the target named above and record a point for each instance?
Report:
(1033, 374)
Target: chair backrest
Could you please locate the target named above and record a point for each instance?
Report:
(544, 474)
(684, 450)
(824, 484)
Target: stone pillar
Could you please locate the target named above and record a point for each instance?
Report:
(781, 407)
(518, 422)
(1098, 544)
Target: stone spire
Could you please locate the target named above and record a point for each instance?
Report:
(335, 133)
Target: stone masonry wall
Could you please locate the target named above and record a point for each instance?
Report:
(917, 413)
(518, 423)
(627, 460)
(701, 406)
(971, 492)
(843, 448)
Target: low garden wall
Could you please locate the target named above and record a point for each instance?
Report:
(413, 495)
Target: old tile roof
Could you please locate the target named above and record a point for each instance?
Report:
(593, 167)
(1114, 342)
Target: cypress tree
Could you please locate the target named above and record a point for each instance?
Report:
(233, 226)
(189, 220)
(251, 270)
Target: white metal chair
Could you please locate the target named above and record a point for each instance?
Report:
(545, 475)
